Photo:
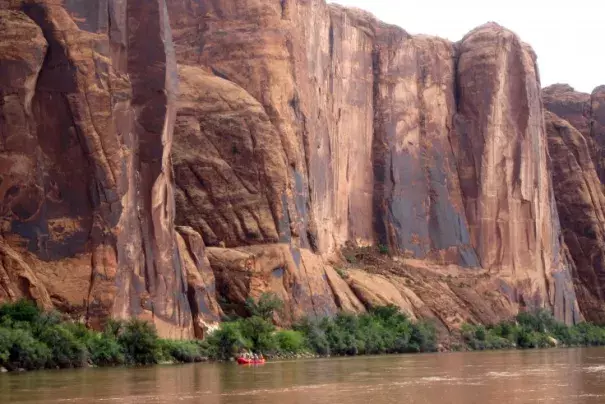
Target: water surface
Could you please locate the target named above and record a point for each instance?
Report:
(537, 376)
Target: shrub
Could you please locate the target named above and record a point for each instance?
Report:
(6, 342)
(104, 350)
(540, 320)
(314, 335)
(265, 307)
(79, 331)
(113, 328)
(506, 329)
(140, 343)
(66, 350)
(589, 334)
(21, 350)
(478, 337)
(341, 272)
(20, 311)
(351, 258)
(183, 351)
(383, 249)
(480, 333)
(290, 341)
(227, 341)
(381, 330)
(424, 337)
(260, 333)
(496, 342)
(30, 339)
(538, 329)
(43, 322)
(527, 338)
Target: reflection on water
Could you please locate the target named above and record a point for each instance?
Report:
(544, 376)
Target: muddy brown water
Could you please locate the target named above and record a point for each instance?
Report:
(536, 376)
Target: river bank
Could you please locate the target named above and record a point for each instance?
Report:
(31, 339)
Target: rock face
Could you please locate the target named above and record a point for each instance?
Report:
(229, 177)
(293, 145)
(586, 113)
(86, 122)
(315, 126)
(574, 128)
(500, 146)
(418, 204)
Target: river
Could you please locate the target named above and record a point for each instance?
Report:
(541, 376)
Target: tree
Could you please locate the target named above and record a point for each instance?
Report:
(265, 307)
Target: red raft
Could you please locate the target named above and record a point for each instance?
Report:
(244, 361)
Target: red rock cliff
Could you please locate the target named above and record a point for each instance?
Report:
(369, 135)
(293, 142)
(575, 138)
(86, 121)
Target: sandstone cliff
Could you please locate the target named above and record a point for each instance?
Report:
(294, 144)
(575, 139)
(337, 128)
(86, 122)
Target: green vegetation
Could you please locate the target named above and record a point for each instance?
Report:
(382, 330)
(184, 351)
(266, 305)
(351, 258)
(537, 329)
(341, 272)
(31, 339)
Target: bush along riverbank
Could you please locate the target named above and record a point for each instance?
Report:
(537, 329)
(31, 339)
(380, 331)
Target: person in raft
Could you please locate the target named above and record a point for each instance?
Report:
(251, 356)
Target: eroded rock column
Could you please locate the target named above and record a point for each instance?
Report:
(500, 146)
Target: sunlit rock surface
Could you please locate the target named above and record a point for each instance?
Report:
(575, 139)
(293, 144)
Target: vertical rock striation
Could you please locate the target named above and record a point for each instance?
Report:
(87, 117)
(500, 146)
(290, 135)
(23, 49)
(581, 205)
(575, 140)
(419, 209)
(374, 136)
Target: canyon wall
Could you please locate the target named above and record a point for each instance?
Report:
(575, 124)
(86, 121)
(370, 136)
(168, 159)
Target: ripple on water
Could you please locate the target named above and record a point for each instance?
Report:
(503, 374)
(438, 379)
(538, 371)
(595, 369)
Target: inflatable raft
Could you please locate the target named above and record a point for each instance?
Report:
(244, 361)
